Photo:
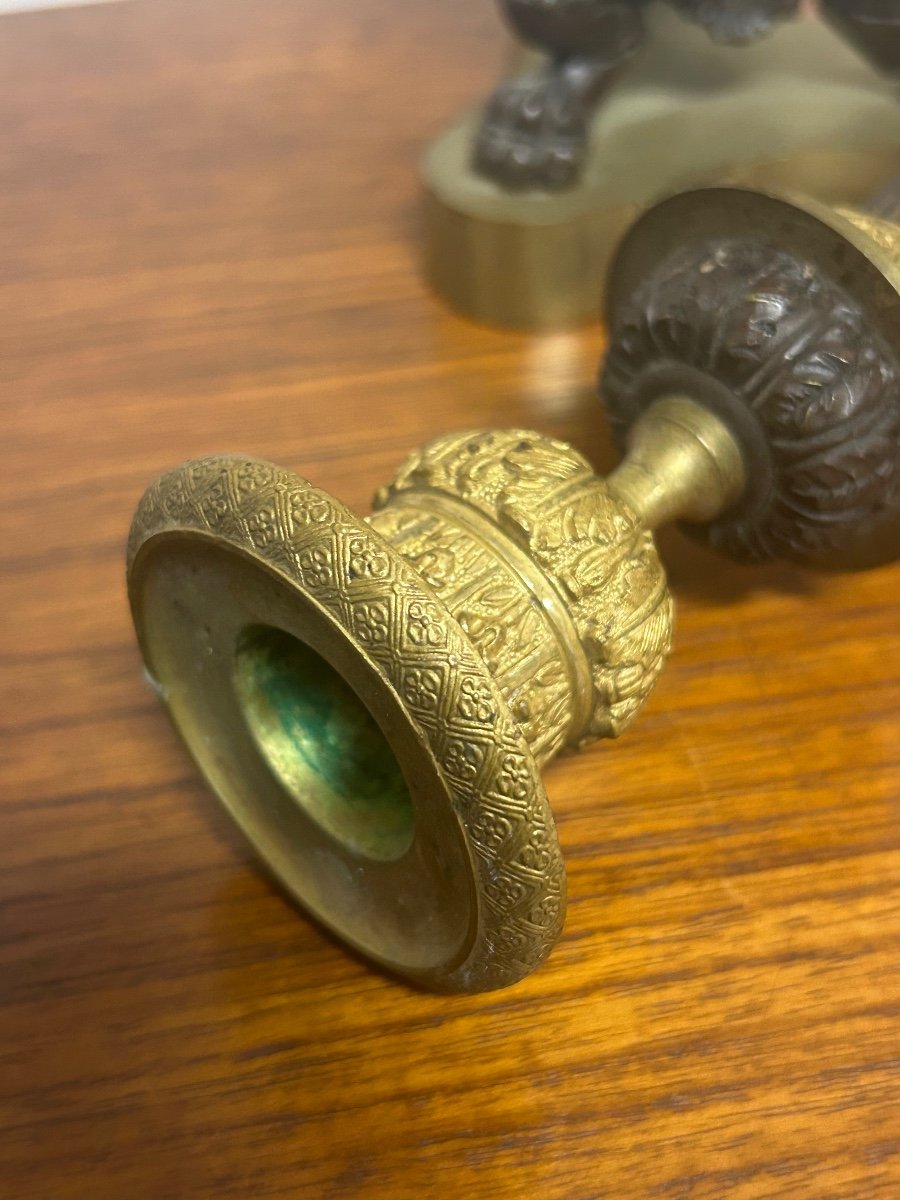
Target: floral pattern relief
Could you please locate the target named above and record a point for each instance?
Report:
(316, 543)
(463, 758)
(802, 358)
(514, 777)
(365, 561)
(488, 469)
(251, 477)
(316, 566)
(309, 508)
(487, 599)
(372, 622)
(438, 567)
(475, 701)
(493, 829)
(422, 690)
(424, 626)
(541, 495)
(216, 504)
(263, 527)
(535, 856)
(175, 501)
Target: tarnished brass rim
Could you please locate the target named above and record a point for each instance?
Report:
(226, 539)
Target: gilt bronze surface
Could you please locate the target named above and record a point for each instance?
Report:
(501, 604)
(373, 700)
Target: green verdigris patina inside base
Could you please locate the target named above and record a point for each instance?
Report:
(323, 744)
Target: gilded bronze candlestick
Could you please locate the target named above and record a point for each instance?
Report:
(373, 699)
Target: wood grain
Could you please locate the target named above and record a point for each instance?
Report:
(208, 241)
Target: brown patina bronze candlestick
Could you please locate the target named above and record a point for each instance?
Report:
(373, 699)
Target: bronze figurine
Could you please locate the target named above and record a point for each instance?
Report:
(534, 131)
(631, 100)
(373, 699)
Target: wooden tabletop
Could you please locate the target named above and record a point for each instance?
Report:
(208, 241)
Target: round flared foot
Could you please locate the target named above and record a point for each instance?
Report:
(326, 694)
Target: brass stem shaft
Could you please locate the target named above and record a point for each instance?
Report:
(682, 462)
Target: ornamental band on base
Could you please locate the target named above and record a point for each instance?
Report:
(372, 700)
